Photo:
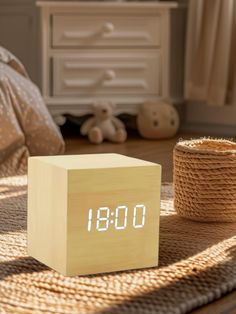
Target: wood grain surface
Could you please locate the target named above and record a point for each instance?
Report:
(120, 194)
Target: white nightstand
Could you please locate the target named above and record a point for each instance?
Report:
(128, 52)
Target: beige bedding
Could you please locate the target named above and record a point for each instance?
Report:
(26, 127)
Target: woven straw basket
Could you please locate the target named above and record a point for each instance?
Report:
(205, 180)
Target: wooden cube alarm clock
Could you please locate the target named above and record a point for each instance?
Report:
(93, 213)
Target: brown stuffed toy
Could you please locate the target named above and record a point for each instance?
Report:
(157, 120)
(103, 125)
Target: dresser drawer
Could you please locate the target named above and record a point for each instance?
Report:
(107, 72)
(105, 31)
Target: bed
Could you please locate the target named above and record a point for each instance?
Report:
(26, 126)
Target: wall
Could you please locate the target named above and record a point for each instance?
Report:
(19, 32)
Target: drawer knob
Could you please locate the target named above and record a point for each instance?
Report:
(108, 28)
(109, 75)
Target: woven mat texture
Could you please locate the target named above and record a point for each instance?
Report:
(197, 265)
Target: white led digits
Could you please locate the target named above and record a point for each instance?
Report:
(118, 209)
(100, 219)
(137, 208)
(121, 217)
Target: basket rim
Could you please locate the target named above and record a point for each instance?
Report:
(208, 146)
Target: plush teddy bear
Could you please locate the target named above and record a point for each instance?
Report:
(157, 120)
(103, 125)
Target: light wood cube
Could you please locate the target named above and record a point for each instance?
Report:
(93, 213)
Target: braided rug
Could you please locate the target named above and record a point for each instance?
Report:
(197, 265)
(205, 179)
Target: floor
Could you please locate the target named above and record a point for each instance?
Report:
(159, 151)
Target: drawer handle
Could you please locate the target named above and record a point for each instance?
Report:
(108, 28)
(109, 75)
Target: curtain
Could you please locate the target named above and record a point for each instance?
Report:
(210, 75)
